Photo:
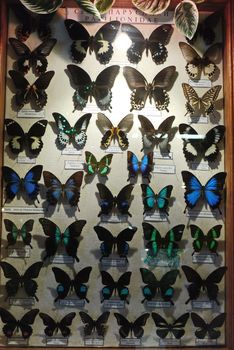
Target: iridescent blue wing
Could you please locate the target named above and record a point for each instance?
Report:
(213, 188)
(12, 181)
(193, 189)
(54, 187)
(72, 188)
(31, 179)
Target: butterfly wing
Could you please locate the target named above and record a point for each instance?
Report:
(178, 326)
(138, 45)
(149, 197)
(39, 87)
(107, 239)
(30, 182)
(152, 235)
(38, 57)
(122, 129)
(123, 199)
(209, 143)
(80, 136)
(14, 278)
(65, 131)
(72, 188)
(198, 322)
(54, 187)
(173, 236)
(212, 234)
(137, 326)
(13, 182)
(32, 272)
(208, 99)
(198, 236)
(80, 37)
(10, 322)
(34, 136)
(126, 326)
(89, 323)
(16, 134)
(151, 282)
(109, 284)
(139, 87)
(212, 56)
(196, 282)
(54, 236)
(70, 236)
(123, 237)
(65, 322)
(213, 188)
(162, 82)
(193, 101)
(193, 189)
(217, 322)
(165, 285)
(82, 277)
(107, 129)
(158, 39)
(163, 328)
(22, 88)
(212, 280)
(104, 164)
(64, 281)
(192, 143)
(26, 321)
(50, 324)
(100, 322)
(193, 59)
(103, 40)
(91, 163)
(123, 281)
(106, 202)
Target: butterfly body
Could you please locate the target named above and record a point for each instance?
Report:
(152, 200)
(115, 287)
(175, 328)
(14, 232)
(52, 326)
(145, 166)
(94, 326)
(128, 327)
(209, 239)
(208, 329)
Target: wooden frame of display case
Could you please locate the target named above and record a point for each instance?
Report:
(209, 5)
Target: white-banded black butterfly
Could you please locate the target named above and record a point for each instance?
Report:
(176, 328)
(91, 326)
(131, 328)
(100, 43)
(116, 287)
(53, 326)
(208, 328)
(14, 232)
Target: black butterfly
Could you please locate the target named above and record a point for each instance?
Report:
(154, 286)
(196, 145)
(55, 237)
(100, 43)
(31, 139)
(208, 285)
(31, 93)
(53, 326)
(26, 280)
(35, 59)
(12, 324)
(156, 91)
(92, 325)
(155, 44)
(135, 327)
(100, 89)
(14, 232)
(176, 328)
(108, 202)
(110, 242)
(66, 284)
(208, 328)
(115, 287)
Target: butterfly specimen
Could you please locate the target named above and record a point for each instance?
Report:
(110, 243)
(101, 167)
(210, 192)
(157, 242)
(156, 43)
(108, 202)
(53, 326)
(100, 43)
(35, 59)
(75, 135)
(31, 93)
(164, 328)
(152, 200)
(28, 184)
(30, 140)
(145, 166)
(208, 285)
(156, 91)
(14, 232)
(66, 284)
(26, 280)
(210, 328)
(159, 137)
(197, 64)
(68, 238)
(12, 324)
(100, 89)
(114, 133)
(162, 286)
(197, 145)
(115, 287)
(135, 327)
(56, 190)
(200, 104)
(209, 239)
(92, 325)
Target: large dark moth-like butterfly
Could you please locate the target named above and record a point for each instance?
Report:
(156, 91)
(100, 89)
(200, 104)
(92, 326)
(31, 93)
(210, 192)
(156, 43)
(31, 140)
(155, 241)
(13, 325)
(111, 132)
(145, 166)
(176, 328)
(68, 134)
(35, 59)
(208, 240)
(108, 202)
(197, 145)
(53, 326)
(55, 237)
(102, 167)
(14, 232)
(159, 137)
(26, 280)
(133, 328)
(29, 184)
(100, 43)
(66, 284)
(56, 190)
(155, 286)
(159, 201)
(109, 242)
(208, 285)
(116, 287)
(205, 328)
(196, 64)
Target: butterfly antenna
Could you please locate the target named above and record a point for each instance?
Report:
(129, 214)
(36, 297)
(185, 209)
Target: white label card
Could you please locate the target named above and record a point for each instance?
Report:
(164, 169)
(114, 149)
(56, 341)
(202, 304)
(158, 304)
(18, 252)
(156, 216)
(207, 214)
(114, 304)
(73, 165)
(198, 119)
(159, 155)
(26, 160)
(201, 83)
(199, 166)
(114, 218)
(130, 342)
(91, 108)
(206, 342)
(22, 301)
(22, 210)
(152, 112)
(202, 258)
(69, 151)
(169, 342)
(62, 259)
(93, 341)
(72, 302)
(31, 113)
(17, 341)
(118, 262)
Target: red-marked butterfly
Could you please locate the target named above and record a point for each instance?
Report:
(14, 232)
(53, 326)
(145, 166)
(94, 326)
(208, 240)
(135, 327)
(176, 328)
(102, 167)
(116, 287)
(205, 328)
(152, 200)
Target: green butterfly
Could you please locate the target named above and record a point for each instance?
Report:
(210, 239)
(93, 166)
(14, 232)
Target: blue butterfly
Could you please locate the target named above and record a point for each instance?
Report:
(161, 200)
(15, 184)
(145, 166)
(210, 192)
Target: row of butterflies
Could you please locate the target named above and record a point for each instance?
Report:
(98, 327)
(154, 289)
(195, 147)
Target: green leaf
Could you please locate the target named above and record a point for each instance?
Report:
(104, 6)
(89, 7)
(151, 7)
(186, 18)
(42, 7)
